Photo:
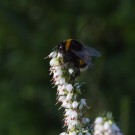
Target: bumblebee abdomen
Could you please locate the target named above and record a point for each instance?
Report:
(83, 65)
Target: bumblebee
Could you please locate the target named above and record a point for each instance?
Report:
(77, 54)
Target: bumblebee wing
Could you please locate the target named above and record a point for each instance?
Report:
(86, 53)
(91, 51)
(83, 56)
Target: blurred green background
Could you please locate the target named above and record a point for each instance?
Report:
(29, 29)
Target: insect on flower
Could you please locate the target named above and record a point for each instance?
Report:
(77, 54)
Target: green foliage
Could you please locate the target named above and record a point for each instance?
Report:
(28, 32)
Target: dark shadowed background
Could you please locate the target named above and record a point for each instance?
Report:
(29, 29)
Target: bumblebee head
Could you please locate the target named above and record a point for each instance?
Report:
(61, 47)
(64, 46)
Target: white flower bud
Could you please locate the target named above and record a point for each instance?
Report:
(55, 68)
(52, 54)
(106, 126)
(75, 122)
(57, 82)
(59, 87)
(59, 55)
(61, 92)
(72, 133)
(64, 85)
(97, 127)
(69, 96)
(69, 87)
(65, 104)
(109, 131)
(83, 102)
(62, 80)
(57, 73)
(97, 132)
(58, 78)
(105, 133)
(68, 112)
(61, 98)
(70, 126)
(80, 107)
(74, 115)
(54, 62)
(70, 71)
(99, 120)
(75, 104)
(85, 120)
(68, 105)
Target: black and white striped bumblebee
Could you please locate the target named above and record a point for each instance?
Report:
(77, 54)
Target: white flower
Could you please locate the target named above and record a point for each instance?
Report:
(57, 73)
(85, 120)
(68, 105)
(82, 103)
(61, 92)
(65, 104)
(109, 131)
(72, 133)
(99, 128)
(54, 62)
(75, 122)
(99, 120)
(74, 115)
(70, 71)
(80, 133)
(71, 114)
(64, 85)
(59, 88)
(107, 126)
(68, 112)
(97, 132)
(75, 104)
(62, 98)
(62, 80)
(105, 133)
(57, 82)
(55, 68)
(69, 87)
(69, 96)
(57, 78)
(52, 54)
(59, 55)
(70, 127)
